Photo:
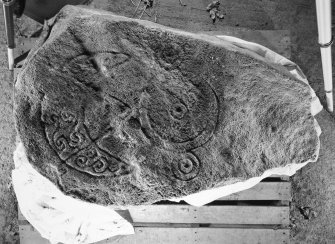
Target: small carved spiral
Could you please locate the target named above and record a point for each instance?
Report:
(50, 119)
(68, 117)
(76, 139)
(114, 166)
(186, 168)
(60, 143)
(62, 169)
(92, 153)
(81, 161)
(100, 165)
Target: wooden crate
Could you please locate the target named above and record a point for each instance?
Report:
(258, 215)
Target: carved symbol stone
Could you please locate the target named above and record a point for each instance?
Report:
(187, 167)
(189, 97)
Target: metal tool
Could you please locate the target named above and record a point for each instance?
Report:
(35, 9)
(324, 19)
(8, 8)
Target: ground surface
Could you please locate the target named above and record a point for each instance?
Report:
(313, 207)
(8, 212)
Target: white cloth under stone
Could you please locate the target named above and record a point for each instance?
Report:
(61, 218)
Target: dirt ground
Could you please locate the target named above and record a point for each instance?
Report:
(313, 205)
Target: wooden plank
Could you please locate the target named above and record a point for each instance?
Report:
(202, 236)
(219, 215)
(280, 191)
(2, 219)
(280, 177)
(20, 215)
(144, 235)
(248, 221)
(28, 235)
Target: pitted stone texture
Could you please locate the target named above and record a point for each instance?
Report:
(122, 111)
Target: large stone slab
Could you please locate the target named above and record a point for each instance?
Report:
(122, 111)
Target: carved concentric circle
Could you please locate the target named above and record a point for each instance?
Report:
(100, 165)
(178, 111)
(81, 161)
(187, 167)
(180, 118)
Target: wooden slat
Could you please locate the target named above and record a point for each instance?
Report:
(20, 215)
(28, 235)
(218, 215)
(202, 236)
(280, 191)
(151, 235)
(2, 219)
(280, 177)
(238, 224)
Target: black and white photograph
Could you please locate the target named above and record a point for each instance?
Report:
(167, 122)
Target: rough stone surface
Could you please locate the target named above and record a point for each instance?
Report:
(121, 111)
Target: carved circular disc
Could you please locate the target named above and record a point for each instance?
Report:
(181, 117)
(187, 167)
